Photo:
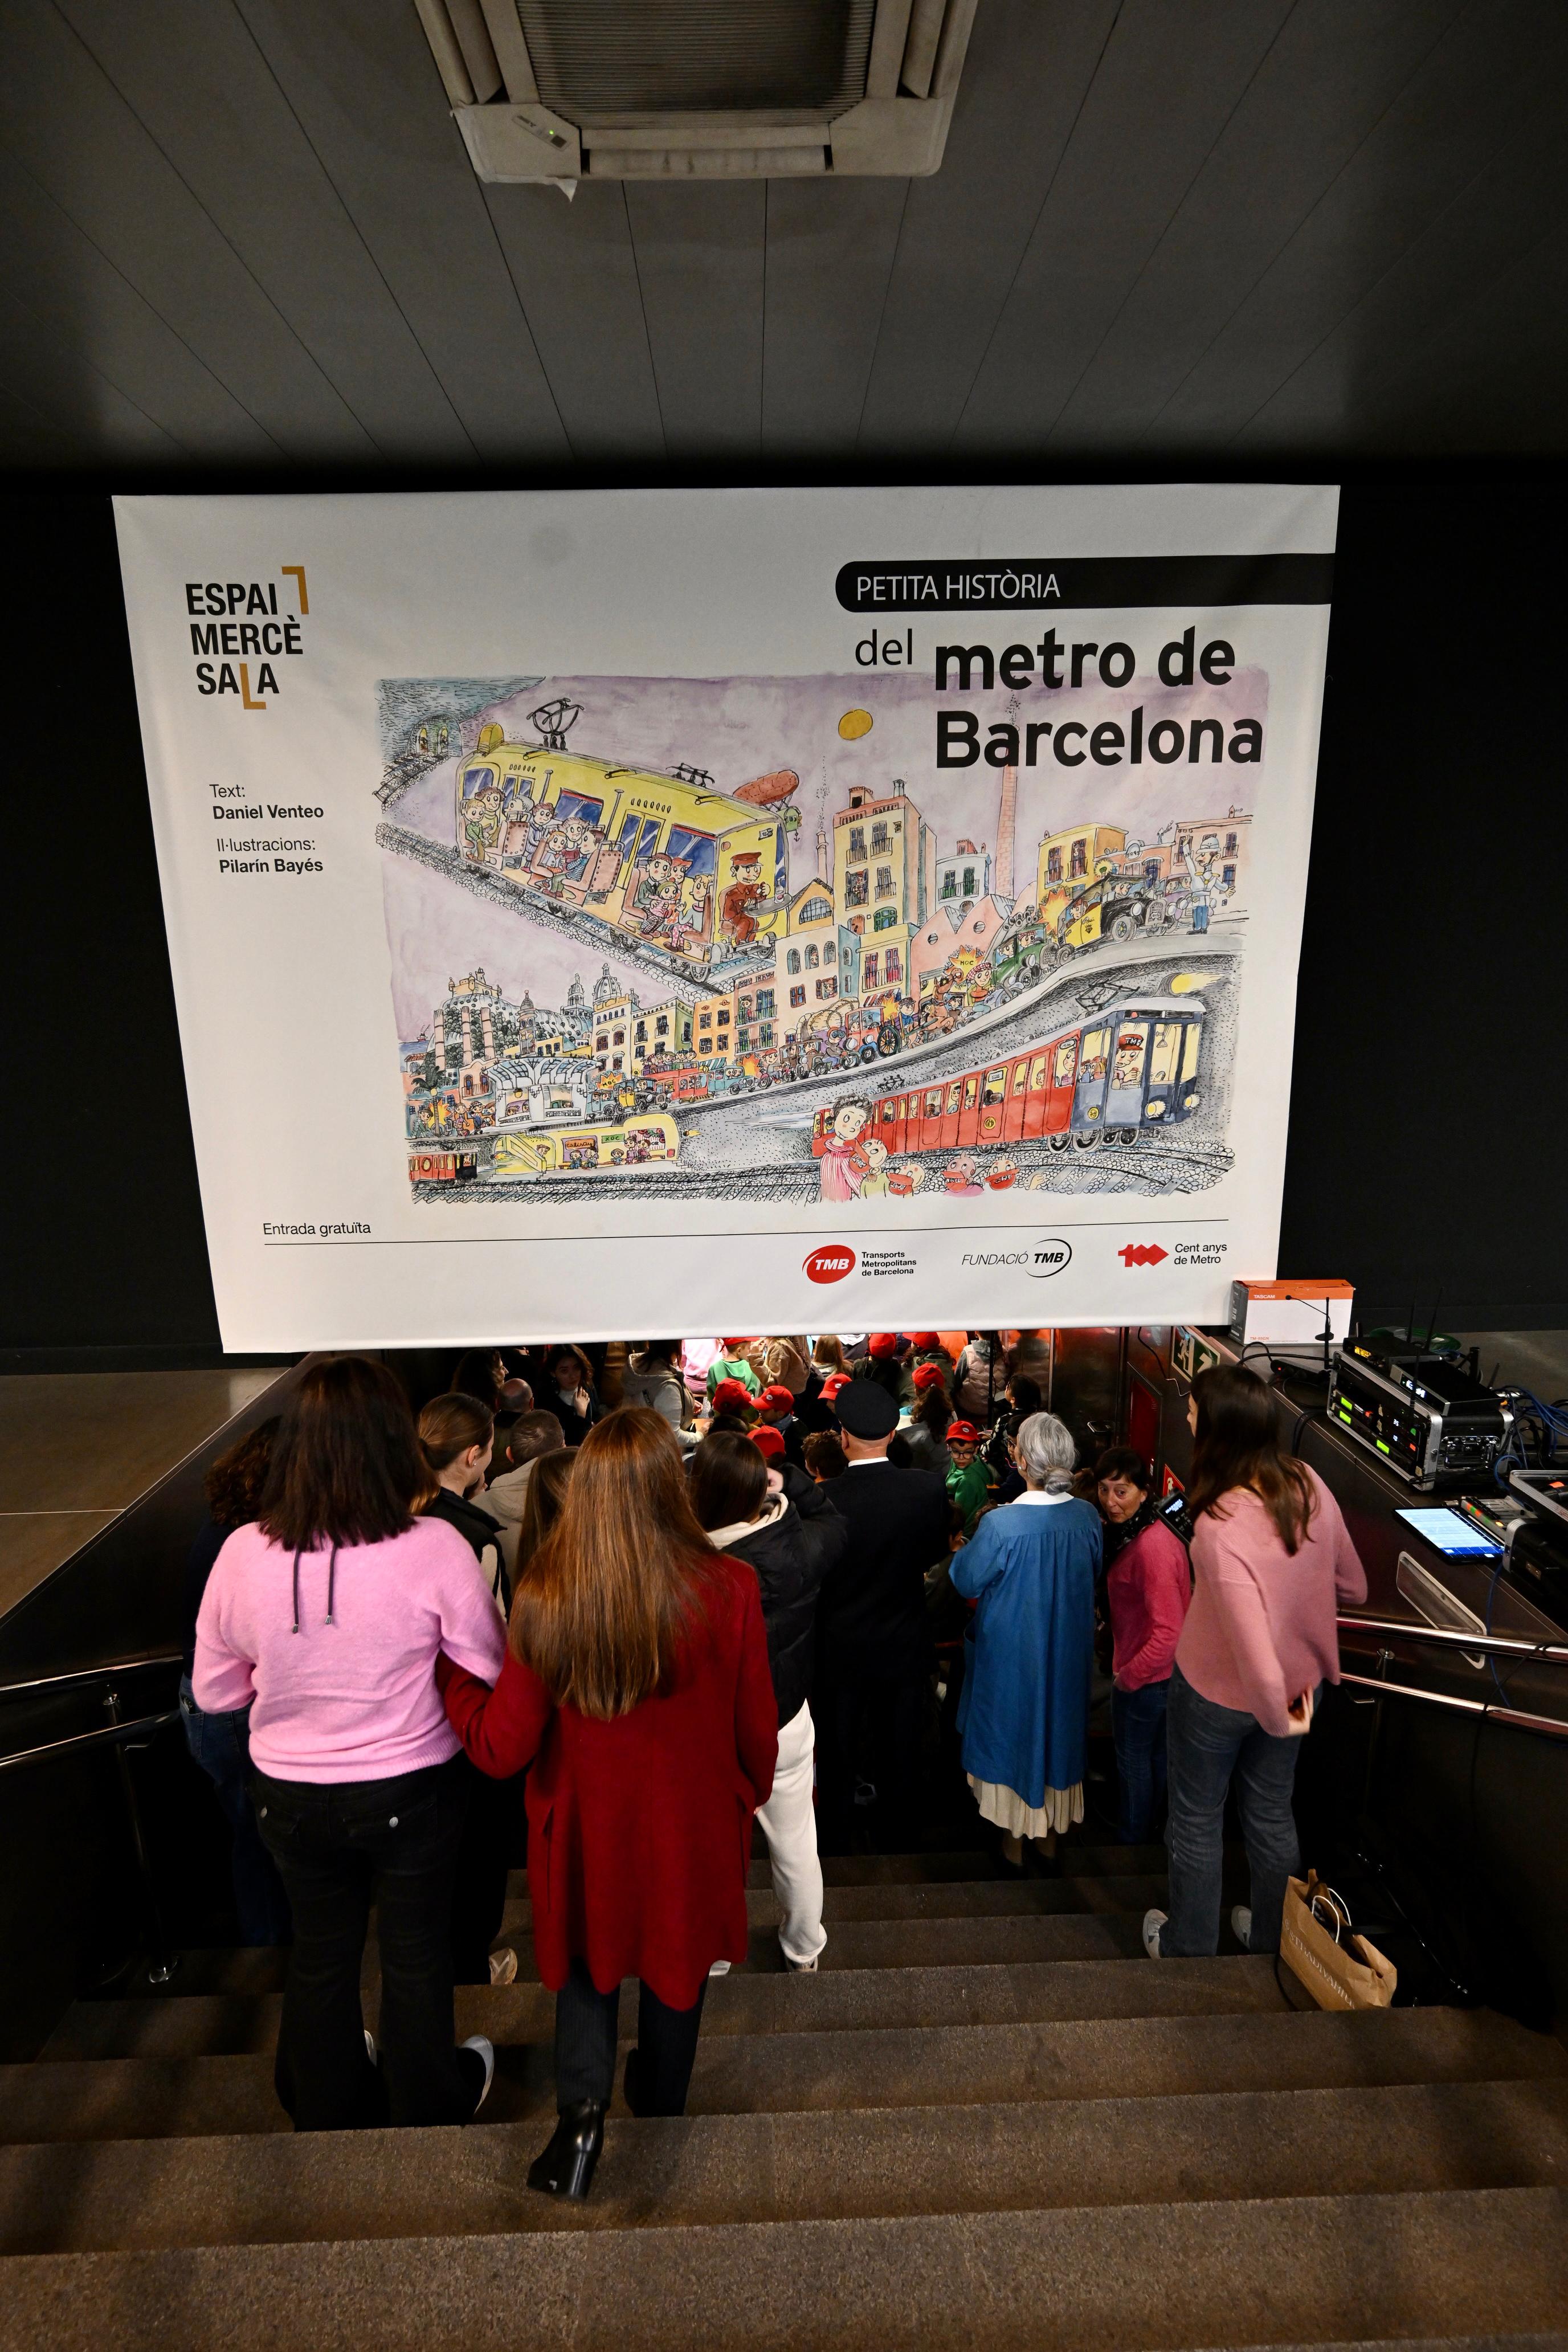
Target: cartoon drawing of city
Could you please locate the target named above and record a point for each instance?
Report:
(684, 989)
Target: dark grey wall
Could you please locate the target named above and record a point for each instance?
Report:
(1425, 1119)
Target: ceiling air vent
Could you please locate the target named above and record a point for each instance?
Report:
(567, 90)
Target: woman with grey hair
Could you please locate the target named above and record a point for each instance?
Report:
(1024, 1716)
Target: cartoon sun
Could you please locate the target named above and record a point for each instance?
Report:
(854, 724)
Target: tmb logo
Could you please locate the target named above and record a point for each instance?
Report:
(832, 1263)
(1049, 1256)
(1141, 1253)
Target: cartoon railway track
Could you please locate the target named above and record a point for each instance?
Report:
(671, 973)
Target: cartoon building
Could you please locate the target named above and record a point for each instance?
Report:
(884, 880)
(936, 944)
(1068, 861)
(1225, 860)
(806, 960)
(965, 876)
(661, 1034)
(615, 1016)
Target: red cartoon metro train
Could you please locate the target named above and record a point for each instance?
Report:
(1128, 1070)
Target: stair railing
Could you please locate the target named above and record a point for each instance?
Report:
(120, 1735)
(1545, 1654)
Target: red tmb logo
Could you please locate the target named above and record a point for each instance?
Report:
(1141, 1253)
(831, 1265)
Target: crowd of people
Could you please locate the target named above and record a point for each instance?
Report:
(609, 1610)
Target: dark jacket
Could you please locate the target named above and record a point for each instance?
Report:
(574, 1425)
(791, 1554)
(200, 1562)
(871, 1618)
(481, 1529)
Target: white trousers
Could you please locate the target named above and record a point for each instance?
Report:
(789, 1824)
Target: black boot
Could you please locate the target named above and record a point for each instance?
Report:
(566, 2167)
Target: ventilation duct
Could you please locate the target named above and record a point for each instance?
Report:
(567, 90)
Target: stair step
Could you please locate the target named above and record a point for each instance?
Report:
(1453, 2263)
(796, 2166)
(788, 2168)
(918, 1869)
(225, 2024)
(911, 1943)
(978, 2065)
(987, 1898)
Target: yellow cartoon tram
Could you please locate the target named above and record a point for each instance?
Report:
(661, 860)
(642, 1141)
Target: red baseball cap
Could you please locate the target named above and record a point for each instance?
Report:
(776, 1398)
(924, 1340)
(832, 1384)
(929, 1376)
(965, 1431)
(769, 1442)
(883, 1343)
(731, 1396)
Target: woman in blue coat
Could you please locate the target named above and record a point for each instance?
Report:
(1024, 1715)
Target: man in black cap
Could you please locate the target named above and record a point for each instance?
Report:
(873, 1649)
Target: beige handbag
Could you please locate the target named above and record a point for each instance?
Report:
(1339, 1968)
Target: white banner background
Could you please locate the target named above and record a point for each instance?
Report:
(301, 992)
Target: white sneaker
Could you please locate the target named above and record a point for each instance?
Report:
(503, 1967)
(1241, 1925)
(369, 2048)
(1152, 1923)
(487, 2050)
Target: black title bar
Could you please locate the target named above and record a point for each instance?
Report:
(987, 584)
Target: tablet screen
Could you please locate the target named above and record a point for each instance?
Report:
(1447, 1532)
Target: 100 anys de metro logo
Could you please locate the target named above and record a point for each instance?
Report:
(830, 1264)
(1141, 1253)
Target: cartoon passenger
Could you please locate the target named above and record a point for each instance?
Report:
(745, 892)
(689, 928)
(566, 854)
(481, 822)
(656, 898)
(844, 1163)
(959, 1178)
(1204, 879)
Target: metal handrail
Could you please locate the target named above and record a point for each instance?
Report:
(93, 1673)
(112, 1734)
(1546, 1653)
(1549, 1724)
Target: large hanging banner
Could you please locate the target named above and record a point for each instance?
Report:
(641, 912)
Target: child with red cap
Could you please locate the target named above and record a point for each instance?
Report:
(969, 1482)
(776, 1408)
(732, 1401)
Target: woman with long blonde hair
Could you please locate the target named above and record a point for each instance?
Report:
(636, 1687)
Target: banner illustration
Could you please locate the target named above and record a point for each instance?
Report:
(952, 940)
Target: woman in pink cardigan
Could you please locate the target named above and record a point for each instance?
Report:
(1272, 1564)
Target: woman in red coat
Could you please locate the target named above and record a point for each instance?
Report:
(636, 1686)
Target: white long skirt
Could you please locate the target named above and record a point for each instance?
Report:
(1060, 1808)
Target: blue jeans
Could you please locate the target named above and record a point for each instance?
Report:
(1205, 1746)
(221, 1745)
(1138, 1729)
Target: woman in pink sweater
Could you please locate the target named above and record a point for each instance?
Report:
(1148, 1591)
(1272, 1563)
(325, 1618)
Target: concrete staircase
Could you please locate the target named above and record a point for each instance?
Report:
(988, 2122)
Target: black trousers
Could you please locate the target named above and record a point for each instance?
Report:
(874, 1719)
(339, 1847)
(586, 2022)
(492, 1843)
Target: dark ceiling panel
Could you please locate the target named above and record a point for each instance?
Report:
(1336, 67)
(1389, 361)
(829, 259)
(124, 194)
(965, 230)
(1499, 381)
(103, 328)
(1168, 84)
(224, 123)
(43, 371)
(1471, 97)
(699, 263)
(360, 77)
(574, 268)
